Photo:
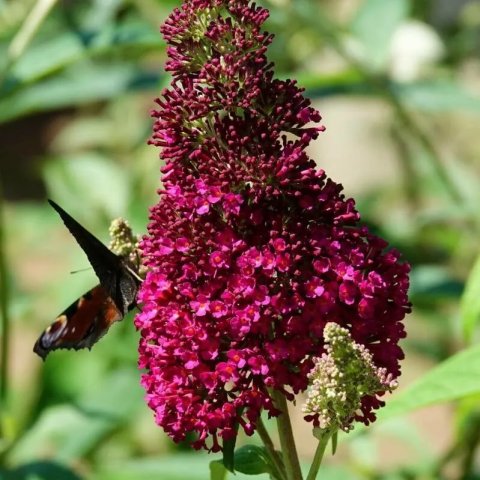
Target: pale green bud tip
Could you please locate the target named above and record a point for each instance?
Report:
(122, 242)
(343, 375)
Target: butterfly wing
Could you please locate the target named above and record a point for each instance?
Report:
(81, 325)
(110, 269)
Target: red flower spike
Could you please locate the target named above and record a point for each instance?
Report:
(251, 248)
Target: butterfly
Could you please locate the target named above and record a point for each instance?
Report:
(87, 319)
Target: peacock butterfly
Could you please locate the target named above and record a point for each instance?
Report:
(87, 319)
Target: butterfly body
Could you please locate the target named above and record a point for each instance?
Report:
(87, 319)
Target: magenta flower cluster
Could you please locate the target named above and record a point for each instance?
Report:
(251, 249)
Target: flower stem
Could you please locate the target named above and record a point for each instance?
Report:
(272, 453)
(4, 314)
(317, 459)
(30, 26)
(287, 442)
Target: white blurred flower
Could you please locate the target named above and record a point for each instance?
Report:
(414, 48)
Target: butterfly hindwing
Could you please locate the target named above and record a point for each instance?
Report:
(81, 325)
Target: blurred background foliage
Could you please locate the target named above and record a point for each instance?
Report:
(398, 83)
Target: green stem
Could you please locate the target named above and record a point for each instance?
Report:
(287, 442)
(272, 453)
(317, 459)
(426, 143)
(412, 194)
(28, 29)
(4, 313)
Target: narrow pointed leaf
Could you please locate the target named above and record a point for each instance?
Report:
(229, 455)
(455, 378)
(470, 302)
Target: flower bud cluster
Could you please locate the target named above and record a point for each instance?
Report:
(122, 240)
(341, 378)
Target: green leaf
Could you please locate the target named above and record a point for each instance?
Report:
(66, 432)
(434, 282)
(41, 471)
(455, 378)
(334, 443)
(217, 470)
(470, 302)
(374, 25)
(78, 85)
(48, 56)
(438, 96)
(345, 80)
(45, 57)
(191, 466)
(251, 460)
(228, 451)
(92, 176)
(229, 454)
(101, 13)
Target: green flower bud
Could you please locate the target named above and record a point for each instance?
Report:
(341, 377)
(123, 242)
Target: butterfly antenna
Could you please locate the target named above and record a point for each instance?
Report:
(80, 270)
(134, 273)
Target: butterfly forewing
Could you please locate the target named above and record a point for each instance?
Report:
(105, 263)
(110, 269)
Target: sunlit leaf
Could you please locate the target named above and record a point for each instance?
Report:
(217, 470)
(88, 176)
(193, 466)
(76, 86)
(46, 57)
(470, 302)
(61, 373)
(67, 432)
(439, 96)
(455, 378)
(52, 55)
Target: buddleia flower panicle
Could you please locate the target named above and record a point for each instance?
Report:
(251, 249)
(341, 378)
